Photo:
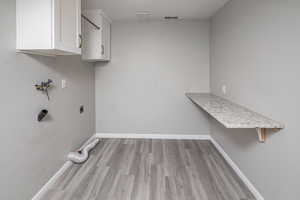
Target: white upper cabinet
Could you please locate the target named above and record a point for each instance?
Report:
(49, 27)
(96, 36)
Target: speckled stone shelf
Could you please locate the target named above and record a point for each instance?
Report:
(232, 115)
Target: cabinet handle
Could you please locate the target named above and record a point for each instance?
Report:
(102, 49)
(80, 40)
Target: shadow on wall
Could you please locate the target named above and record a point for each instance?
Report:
(102, 64)
(243, 138)
(59, 64)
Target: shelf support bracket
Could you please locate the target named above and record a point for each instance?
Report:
(262, 134)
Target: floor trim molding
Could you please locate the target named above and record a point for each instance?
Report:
(52, 180)
(234, 166)
(40, 194)
(237, 170)
(153, 136)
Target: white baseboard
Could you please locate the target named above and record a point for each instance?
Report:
(247, 182)
(153, 136)
(237, 170)
(52, 180)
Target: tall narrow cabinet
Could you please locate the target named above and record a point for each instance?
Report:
(96, 36)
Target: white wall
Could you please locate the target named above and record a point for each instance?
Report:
(255, 52)
(142, 89)
(32, 152)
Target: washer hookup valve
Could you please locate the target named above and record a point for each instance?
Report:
(44, 86)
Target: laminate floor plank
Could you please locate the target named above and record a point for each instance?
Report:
(146, 169)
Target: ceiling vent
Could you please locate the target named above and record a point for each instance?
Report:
(171, 17)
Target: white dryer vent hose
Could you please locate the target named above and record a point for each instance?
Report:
(83, 154)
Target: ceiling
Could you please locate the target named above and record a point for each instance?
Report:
(186, 9)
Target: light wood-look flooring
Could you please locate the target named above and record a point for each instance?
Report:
(145, 169)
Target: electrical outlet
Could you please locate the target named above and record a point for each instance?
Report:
(63, 84)
(81, 110)
(224, 89)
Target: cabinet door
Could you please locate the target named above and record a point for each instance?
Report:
(105, 39)
(67, 25)
(92, 37)
(96, 42)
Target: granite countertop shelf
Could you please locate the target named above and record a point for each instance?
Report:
(232, 115)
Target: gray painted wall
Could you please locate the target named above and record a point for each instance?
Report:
(32, 152)
(153, 64)
(255, 52)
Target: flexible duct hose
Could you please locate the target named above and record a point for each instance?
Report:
(83, 154)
